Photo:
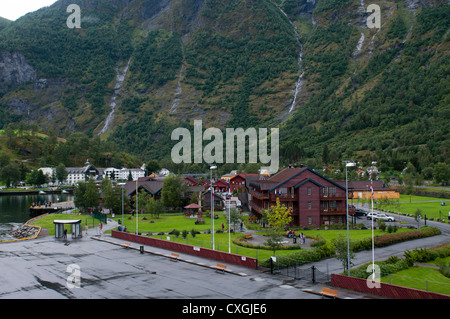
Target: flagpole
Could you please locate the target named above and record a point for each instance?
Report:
(229, 217)
(137, 209)
(373, 238)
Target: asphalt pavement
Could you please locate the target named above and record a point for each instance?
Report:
(99, 267)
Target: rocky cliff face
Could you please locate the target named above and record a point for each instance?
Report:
(14, 71)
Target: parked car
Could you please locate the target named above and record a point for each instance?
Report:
(384, 217)
(369, 215)
(360, 212)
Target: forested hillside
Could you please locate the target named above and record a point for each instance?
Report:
(138, 69)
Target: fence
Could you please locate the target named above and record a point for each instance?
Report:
(298, 270)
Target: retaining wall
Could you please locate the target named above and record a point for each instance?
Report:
(188, 249)
(386, 290)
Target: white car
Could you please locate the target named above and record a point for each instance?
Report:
(369, 215)
(384, 217)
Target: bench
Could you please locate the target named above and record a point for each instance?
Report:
(174, 256)
(126, 245)
(221, 267)
(248, 236)
(329, 292)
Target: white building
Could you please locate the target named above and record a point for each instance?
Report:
(82, 174)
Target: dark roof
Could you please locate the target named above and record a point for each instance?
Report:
(284, 178)
(152, 187)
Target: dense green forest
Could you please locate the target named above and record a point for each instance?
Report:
(368, 94)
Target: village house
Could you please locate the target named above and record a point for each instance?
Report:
(361, 190)
(312, 198)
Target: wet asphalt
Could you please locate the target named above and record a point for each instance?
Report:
(89, 268)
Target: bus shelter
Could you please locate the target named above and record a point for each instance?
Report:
(75, 228)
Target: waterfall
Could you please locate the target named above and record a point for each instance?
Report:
(299, 83)
(120, 78)
(178, 91)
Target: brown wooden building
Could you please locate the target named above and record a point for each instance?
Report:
(312, 198)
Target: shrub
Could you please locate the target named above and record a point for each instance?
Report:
(184, 233)
(416, 255)
(318, 241)
(445, 270)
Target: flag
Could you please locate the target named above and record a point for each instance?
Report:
(371, 188)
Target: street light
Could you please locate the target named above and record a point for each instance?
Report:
(123, 220)
(212, 205)
(347, 164)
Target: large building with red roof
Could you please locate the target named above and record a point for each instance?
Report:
(314, 200)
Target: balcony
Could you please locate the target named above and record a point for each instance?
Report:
(337, 211)
(283, 196)
(335, 195)
(258, 195)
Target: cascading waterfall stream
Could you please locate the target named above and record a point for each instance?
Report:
(299, 83)
(120, 78)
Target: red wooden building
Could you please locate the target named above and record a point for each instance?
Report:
(220, 186)
(237, 182)
(312, 198)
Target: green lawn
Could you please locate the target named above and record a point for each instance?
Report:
(47, 221)
(422, 278)
(430, 209)
(169, 222)
(221, 243)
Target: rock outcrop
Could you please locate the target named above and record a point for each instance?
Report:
(14, 71)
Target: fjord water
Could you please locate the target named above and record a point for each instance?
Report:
(15, 209)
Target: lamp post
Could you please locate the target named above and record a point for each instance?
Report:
(123, 219)
(212, 205)
(347, 164)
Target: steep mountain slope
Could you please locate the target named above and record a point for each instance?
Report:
(137, 69)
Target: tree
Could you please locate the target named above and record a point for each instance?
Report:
(233, 218)
(86, 195)
(417, 216)
(341, 250)
(279, 216)
(325, 154)
(10, 174)
(91, 194)
(61, 173)
(441, 173)
(112, 196)
(171, 191)
(152, 167)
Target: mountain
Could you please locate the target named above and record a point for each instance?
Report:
(137, 69)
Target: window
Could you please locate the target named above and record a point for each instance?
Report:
(332, 190)
(309, 190)
(333, 204)
(309, 205)
(309, 220)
